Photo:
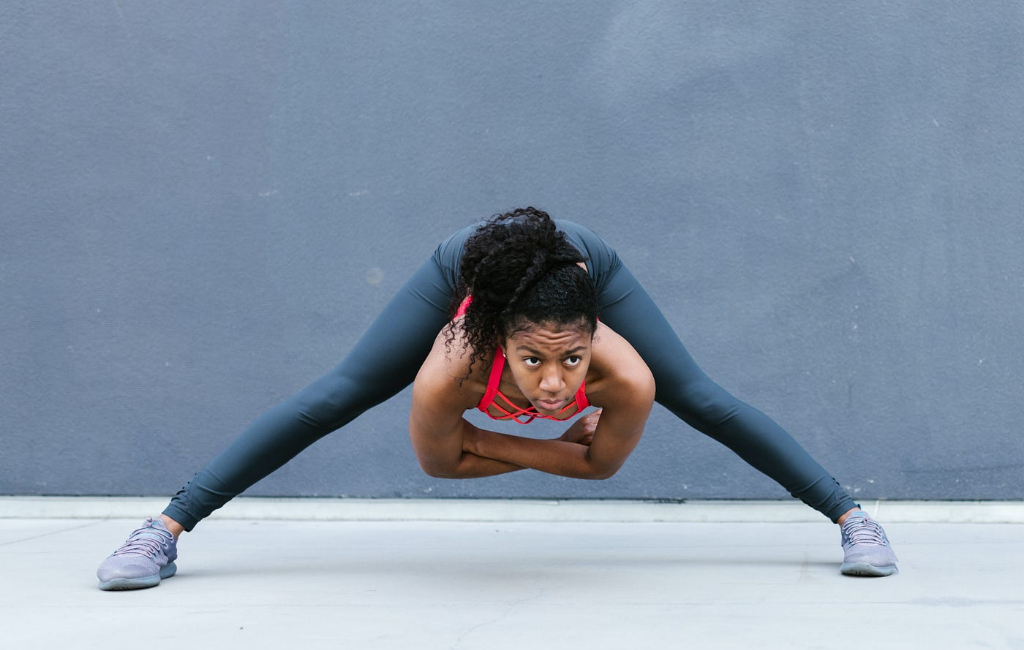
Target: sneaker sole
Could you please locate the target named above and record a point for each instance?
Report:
(866, 570)
(145, 582)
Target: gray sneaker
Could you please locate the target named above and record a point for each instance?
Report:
(142, 561)
(867, 549)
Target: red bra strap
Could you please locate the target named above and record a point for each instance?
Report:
(494, 380)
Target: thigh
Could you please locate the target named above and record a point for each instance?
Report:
(388, 355)
(626, 307)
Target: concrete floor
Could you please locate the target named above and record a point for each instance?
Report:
(493, 585)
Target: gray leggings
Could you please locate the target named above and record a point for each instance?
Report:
(385, 360)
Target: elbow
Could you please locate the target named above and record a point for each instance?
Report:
(438, 470)
(434, 472)
(599, 469)
(601, 473)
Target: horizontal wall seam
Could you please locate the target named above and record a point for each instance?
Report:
(511, 510)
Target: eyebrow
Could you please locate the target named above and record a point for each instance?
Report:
(526, 348)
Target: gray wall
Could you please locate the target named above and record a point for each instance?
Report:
(204, 204)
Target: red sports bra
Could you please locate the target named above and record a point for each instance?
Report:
(513, 412)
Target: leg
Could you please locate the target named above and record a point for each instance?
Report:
(684, 389)
(382, 363)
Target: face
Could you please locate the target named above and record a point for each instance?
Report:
(549, 363)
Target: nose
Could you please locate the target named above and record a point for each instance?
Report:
(551, 380)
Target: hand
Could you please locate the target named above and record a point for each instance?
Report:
(582, 430)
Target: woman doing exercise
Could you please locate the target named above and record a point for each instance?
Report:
(521, 317)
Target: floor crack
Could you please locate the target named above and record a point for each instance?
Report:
(500, 617)
(54, 532)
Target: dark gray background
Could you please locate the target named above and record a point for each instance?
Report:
(204, 204)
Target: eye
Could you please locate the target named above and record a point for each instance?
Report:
(573, 361)
(532, 362)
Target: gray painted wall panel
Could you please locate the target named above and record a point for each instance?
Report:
(204, 205)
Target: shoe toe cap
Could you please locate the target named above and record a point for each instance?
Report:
(874, 555)
(134, 568)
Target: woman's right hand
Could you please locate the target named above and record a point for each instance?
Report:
(582, 431)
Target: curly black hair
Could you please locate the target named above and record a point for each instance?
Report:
(520, 271)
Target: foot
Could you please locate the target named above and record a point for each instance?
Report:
(867, 549)
(142, 561)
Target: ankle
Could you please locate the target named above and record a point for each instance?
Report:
(843, 517)
(172, 526)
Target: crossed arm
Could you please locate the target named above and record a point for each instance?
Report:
(595, 447)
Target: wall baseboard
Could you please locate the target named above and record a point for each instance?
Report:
(570, 510)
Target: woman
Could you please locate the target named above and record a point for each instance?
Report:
(504, 318)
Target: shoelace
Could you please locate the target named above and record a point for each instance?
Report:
(861, 530)
(144, 541)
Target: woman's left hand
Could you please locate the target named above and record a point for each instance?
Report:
(582, 431)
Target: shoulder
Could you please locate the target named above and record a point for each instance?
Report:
(446, 374)
(617, 372)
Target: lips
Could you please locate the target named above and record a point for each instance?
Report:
(549, 405)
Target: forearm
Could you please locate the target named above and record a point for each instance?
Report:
(473, 466)
(448, 455)
(551, 456)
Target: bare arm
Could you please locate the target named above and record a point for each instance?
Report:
(622, 385)
(618, 428)
(448, 446)
(436, 426)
